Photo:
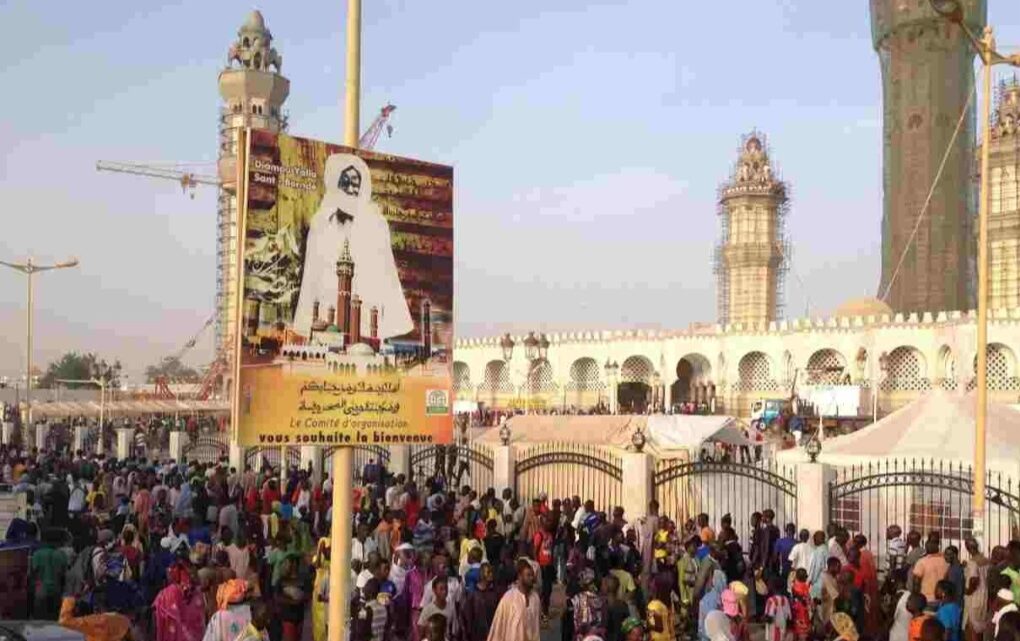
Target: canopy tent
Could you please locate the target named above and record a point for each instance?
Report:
(120, 408)
(662, 432)
(938, 425)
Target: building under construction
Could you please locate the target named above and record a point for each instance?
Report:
(753, 253)
(253, 93)
(927, 74)
(1004, 200)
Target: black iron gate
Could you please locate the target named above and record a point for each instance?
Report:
(685, 489)
(204, 449)
(926, 496)
(563, 470)
(464, 464)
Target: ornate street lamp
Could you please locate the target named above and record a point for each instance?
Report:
(638, 440)
(531, 347)
(543, 346)
(813, 448)
(504, 433)
(507, 344)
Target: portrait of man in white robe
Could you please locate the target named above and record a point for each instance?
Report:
(347, 213)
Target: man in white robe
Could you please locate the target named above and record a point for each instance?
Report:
(347, 213)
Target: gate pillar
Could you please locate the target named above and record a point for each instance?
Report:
(813, 495)
(235, 453)
(638, 470)
(400, 460)
(124, 437)
(176, 445)
(42, 430)
(8, 433)
(504, 473)
(311, 457)
(79, 438)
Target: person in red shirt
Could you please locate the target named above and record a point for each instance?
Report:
(543, 542)
(270, 494)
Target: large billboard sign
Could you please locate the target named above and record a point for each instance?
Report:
(346, 296)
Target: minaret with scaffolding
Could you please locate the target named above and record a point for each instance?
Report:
(253, 93)
(1004, 200)
(752, 256)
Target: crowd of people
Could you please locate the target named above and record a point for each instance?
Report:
(186, 551)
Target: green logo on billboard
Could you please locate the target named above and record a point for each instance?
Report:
(437, 401)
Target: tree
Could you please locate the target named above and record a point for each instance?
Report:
(81, 367)
(173, 370)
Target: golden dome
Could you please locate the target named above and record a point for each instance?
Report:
(864, 306)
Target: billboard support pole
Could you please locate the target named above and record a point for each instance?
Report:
(343, 473)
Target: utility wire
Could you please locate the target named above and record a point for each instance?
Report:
(931, 190)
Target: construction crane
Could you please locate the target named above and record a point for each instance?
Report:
(162, 383)
(189, 179)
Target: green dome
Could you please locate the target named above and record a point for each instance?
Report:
(333, 329)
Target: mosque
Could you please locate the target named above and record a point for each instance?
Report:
(922, 336)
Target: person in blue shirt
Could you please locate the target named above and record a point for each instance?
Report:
(948, 612)
(783, 548)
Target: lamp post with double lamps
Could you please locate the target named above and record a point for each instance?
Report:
(30, 268)
(984, 46)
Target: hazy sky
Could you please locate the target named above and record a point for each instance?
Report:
(589, 139)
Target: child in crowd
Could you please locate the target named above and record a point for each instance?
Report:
(777, 610)
(949, 612)
(916, 606)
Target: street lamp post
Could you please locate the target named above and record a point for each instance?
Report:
(29, 268)
(952, 10)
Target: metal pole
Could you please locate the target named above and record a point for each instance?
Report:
(980, 415)
(28, 347)
(343, 473)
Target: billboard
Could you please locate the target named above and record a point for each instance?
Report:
(346, 296)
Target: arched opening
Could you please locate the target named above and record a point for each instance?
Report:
(635, 389)
(827, 367)
(756, 373)
(585, 383)
(1000, 368)
(907, 371)
(693, 380)
(461, 377)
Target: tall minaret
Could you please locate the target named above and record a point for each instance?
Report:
(426, 330)
(927, 74)
(1004, 201)
(253, 93)
(751, 256)
(344, 283)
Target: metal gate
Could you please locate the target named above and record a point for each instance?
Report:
(362, 455)
(685, 489)
(563, 470)
(259, 458)
(205, 449)
(925, 496)
(465, 464)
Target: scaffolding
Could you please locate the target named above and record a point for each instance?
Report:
(1004, 199)
(753, 253)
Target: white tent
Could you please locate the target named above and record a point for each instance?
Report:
(939, 425)
(690, 432)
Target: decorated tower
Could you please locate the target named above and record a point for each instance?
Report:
(344, 283)
(355, 320)
(253, 93)
(751, 257)
(1004, 201)
(426, 330)
(927, 74)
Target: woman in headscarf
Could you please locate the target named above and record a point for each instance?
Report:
(320, 590)
(712, 600)
(633, 629)
(179, 609)
(232, 612)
